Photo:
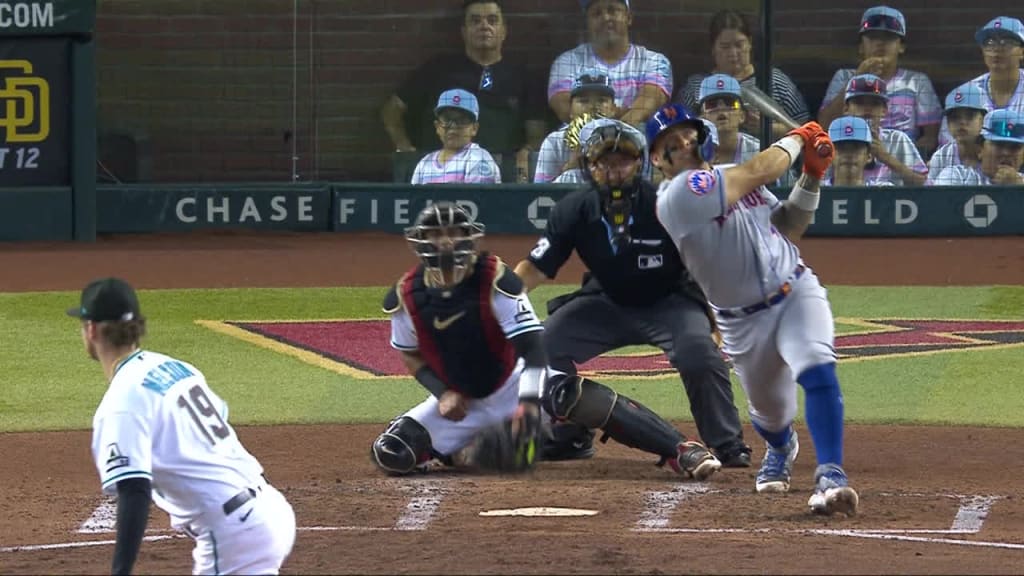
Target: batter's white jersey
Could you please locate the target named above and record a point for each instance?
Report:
(471, 165)
(981, 84)
(637, 68)
(516, 316)
(735, 254)
(160, 420)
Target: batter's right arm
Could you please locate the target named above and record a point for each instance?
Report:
(769, 165)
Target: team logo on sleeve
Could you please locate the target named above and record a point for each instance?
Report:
(701, 182)
(114, 458)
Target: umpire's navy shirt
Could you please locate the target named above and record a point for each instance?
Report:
(639, 274)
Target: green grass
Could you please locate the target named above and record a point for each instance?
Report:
(50, 383)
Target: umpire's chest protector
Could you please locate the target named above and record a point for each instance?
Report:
(458, 334)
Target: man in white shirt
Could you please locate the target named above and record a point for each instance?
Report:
(1002, 154)
(459, 160)
(592, 97)
(852, 138)
(161, 433)
(965, 112)
(894, 156)
(721, 103)
(642, 78)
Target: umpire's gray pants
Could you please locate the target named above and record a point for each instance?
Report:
(591, 324)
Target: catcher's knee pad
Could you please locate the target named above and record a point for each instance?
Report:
(594, 405)
(404, 445)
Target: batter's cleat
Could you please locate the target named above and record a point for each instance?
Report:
(734, 455)
(832, 492)
(777, 467)
(695, 461)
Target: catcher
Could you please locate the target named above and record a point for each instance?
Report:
(592, 97)
(468, 333)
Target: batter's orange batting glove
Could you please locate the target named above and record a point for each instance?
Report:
(818, 155)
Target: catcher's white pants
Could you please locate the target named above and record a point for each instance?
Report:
(255, 539)
(448, 437)
(771, 348)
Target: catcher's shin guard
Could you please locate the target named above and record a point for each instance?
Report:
(404, 445)
(594, 405)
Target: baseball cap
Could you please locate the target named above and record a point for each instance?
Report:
(592, 81)
(885, 19)
(1004, 126)
(850, 129)
(107, 299)
(458, 98)
(1001, 26)
(586, 4)
(866, 85)
(716, 85)
(966, 95)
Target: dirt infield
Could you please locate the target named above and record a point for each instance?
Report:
(934, 500)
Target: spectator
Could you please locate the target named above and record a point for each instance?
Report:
(731, 54)
(642, 78)
(721, 104)
(894, 157)
(511, 111)
(592, 97)
(1002, 154)
(1002, 47)
(965, 112)
(459, 160)
(852, 138)
(914, 108)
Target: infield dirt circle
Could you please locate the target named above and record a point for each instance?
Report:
(934, 500)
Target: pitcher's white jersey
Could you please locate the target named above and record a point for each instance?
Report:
(161, 421)
(735, 254)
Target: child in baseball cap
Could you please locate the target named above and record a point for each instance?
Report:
(852, 138)
(459, 160)
(965, 111)
(1001, 30)
(592, 97)
(1002, 154)
(895, 159)
(721, 104)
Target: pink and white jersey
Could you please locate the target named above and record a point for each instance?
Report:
(471, 165)
(903, 149)
(734, 253)
(981, 83)
(961, 175)
(161, 421)
(640, 66)
(553, 154)
(947, 155)
(912, 99)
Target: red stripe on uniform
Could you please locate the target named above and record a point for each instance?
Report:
(427, 346)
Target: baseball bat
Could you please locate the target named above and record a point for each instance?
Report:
(768, 106)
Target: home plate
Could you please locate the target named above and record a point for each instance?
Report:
(539, 511)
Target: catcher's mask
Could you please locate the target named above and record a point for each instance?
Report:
(445, 238)
(613, 157)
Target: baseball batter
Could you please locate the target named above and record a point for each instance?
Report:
(737, 241)
(468, 333)
(161, 432)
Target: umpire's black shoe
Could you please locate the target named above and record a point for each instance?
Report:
(735, 455)
(568, 442)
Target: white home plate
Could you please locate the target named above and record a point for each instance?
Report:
(539, 511)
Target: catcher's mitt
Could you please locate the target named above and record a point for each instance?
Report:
(572, 132)
(511, 446)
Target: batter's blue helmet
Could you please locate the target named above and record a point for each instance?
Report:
(672, 114)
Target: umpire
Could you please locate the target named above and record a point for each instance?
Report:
(636, 291)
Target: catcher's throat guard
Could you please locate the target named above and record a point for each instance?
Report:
(445, 238)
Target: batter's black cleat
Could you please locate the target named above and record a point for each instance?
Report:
(568, 442)
(734, 455)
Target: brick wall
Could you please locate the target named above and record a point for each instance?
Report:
(209, 83)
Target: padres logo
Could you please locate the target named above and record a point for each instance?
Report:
(24, 103)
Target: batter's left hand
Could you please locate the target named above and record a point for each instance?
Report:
(815, 165)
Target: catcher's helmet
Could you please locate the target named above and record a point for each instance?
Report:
(445, 238)
(672, 114)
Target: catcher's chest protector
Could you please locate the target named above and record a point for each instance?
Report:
(458, 334)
